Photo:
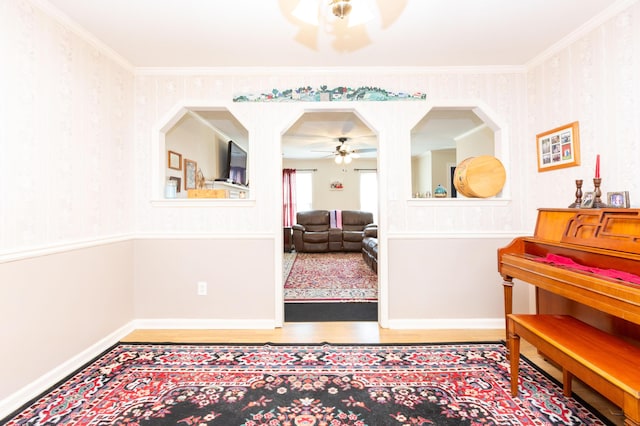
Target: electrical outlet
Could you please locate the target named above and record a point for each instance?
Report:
(202, 288)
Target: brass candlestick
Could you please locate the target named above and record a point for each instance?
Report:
(578, 202)
(597, 202)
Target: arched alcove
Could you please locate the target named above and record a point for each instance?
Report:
(448, 134)
(204, 148)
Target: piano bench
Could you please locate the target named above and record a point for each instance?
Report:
(601, 360)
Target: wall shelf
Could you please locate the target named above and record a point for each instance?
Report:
(231, 190)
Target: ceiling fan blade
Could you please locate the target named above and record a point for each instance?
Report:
(364, 150)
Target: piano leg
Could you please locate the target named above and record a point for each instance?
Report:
(507, 285)
(513, 344)
(567, 378)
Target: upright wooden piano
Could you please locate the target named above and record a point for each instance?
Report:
(606, 239)
(584, 263)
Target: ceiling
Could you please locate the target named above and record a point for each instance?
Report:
(264, 33)
(316, 135)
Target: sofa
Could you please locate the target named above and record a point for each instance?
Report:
(314, 233)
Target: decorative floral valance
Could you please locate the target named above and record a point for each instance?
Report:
(324, 94)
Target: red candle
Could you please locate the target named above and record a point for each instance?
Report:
(598, 166)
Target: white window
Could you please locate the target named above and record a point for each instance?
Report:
(369, 192)
(304, 191)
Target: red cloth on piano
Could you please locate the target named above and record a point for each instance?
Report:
(570, 263)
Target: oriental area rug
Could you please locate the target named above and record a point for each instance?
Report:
(328, 278)
(304, 385)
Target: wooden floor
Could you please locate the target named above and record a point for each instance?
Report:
(364, 332)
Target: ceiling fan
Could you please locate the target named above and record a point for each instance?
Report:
(345, 154)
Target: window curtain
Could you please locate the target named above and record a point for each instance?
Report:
(289, 197)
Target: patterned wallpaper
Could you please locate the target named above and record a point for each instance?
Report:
(595, 81)
(67, 115)
(77, 133)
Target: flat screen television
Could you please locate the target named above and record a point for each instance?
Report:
(236, 164)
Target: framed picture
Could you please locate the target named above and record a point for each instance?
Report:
(336, 185)
(178, 182)
(618, 199)
(558, 148)
(587, 200)
(174, 160)
(190, 169)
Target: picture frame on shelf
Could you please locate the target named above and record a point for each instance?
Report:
(558, 148)
(178, 182)
(174, 160)
(190, 170)
(587, 200)
(618, 199)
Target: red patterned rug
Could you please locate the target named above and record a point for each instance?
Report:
(331, 385)
(330, 277)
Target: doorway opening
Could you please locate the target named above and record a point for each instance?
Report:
(327, 274)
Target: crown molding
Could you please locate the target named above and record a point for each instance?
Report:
(64, 20)
(324, 71)
(598, 20)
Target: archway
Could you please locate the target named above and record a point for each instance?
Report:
(337, 151)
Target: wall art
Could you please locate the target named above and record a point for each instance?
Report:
(324, 94)
(174, 160)
(190, 169)
(336, 185)
(558, 148)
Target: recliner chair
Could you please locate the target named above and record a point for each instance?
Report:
(312, 233)
(370, 248)
(354, 224)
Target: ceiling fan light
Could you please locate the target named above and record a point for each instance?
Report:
(340, 8)
(356, 11)
(338, 159)
(347, 159)
(307, 11)
(361, 13)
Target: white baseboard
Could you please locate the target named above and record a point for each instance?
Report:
(46, 381)
(447, 324)
(24, 395)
